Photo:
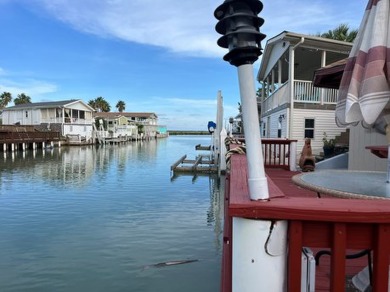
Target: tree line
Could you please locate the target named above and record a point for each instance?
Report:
(99, 103)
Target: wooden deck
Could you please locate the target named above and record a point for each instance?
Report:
(282, 180)
(344, 226)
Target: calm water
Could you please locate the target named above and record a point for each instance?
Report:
(94, 219)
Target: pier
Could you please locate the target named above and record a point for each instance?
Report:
(14, 138)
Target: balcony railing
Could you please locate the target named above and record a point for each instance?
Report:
(304, 91)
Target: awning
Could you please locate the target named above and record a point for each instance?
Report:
(330, 75)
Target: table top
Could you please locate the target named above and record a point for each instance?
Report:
(346, 184)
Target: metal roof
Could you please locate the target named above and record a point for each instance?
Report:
(47, 104)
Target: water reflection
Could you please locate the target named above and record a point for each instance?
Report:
(89, 219)
(215, 210)
(74, 166)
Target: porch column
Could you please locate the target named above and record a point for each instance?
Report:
(323, 64)
(272, 80)
(292, 81)
(291, 73)
(279, 72)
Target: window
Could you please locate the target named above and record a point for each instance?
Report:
(26, 114)
(309, 128)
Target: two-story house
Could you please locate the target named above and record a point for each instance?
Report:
(291, 107)
(69, 117)
(118, 122)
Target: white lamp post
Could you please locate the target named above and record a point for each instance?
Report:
(254, 268)
(239, 24)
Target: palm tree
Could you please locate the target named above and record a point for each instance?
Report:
(22, 98)
(121, 105)
(100, 104)
(340, 33)
(5, 99)
(92, 103)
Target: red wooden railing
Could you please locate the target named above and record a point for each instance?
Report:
(277, 152)
(337, 224)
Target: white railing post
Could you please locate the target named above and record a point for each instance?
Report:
(222, 152)
(293, 156)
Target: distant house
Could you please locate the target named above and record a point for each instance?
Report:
(291, 107)
(146, 123)
(116, 124)
(69, 117)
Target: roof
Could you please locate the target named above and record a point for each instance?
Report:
(47, 104)
(286, 39)
(124, 114)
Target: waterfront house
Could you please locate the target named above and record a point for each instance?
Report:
(118, 122)
(291, 107)
(71, 118)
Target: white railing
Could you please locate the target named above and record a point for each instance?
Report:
(304, 92)
(277, 98)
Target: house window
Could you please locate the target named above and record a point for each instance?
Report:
(309, 128)
(82, 115)
(26, 114)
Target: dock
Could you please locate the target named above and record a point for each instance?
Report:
(200, 164)
(14, 138)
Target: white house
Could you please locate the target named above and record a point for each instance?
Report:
(146, 123)
(69, 117)
(291, 107)
(116, 124)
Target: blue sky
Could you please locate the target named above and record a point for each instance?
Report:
(156, 55)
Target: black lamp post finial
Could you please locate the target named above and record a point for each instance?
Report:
(239, 25)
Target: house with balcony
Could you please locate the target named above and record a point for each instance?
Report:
(291, 107)
(69, 117)
(136, 123)
(115, 125)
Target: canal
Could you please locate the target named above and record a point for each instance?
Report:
(100, 218)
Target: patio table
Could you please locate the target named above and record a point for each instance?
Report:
(346, 184)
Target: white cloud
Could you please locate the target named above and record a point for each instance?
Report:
(180, 26)
(187, 26)
(33, 88)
